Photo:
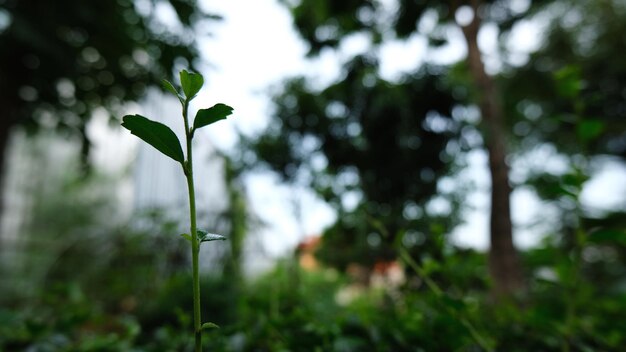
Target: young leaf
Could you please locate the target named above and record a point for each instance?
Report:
(207, 326)
(167, 85)
(191, 82)
(156, 134)
(217, 112)
(186, 236)
(204, 236)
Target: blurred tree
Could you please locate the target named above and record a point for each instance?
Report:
(62, 60)
(504, 264)
(380, 143)
(325, 24)
(570, 92)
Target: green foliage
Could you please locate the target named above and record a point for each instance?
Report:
(337, 18)
(568, 92)
(282, 311)
(78, 326)
(137, 297)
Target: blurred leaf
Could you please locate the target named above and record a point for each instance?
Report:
(191, 82)
(572, 183)
(186, 236)
(590, 129)
(568, 81)
(437, 42)
(608, 236)
(217, 112)
(566, 192)
(156, 134)
(455, 304)
(207, 326)
(430, 266)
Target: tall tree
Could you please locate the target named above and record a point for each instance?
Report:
(504, 263)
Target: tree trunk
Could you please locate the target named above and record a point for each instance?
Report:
(504, 263)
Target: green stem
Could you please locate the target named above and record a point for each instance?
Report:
(195, 244)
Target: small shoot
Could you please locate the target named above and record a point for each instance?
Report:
(163, 139)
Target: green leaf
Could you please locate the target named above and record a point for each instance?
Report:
(207, 326)
(156, 134)
(191, 82)
(186, 236)
(204, 236)
(217, 112)
(167, 85)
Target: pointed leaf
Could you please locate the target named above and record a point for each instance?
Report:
(167, 85)
(191, 82)
(186, 236)
(212, 237)
(207, 326)
(217, 112)
(156, 134)
(204, 236)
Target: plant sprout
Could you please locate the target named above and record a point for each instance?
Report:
(164, 140)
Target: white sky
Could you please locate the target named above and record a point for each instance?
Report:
(255, 47)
